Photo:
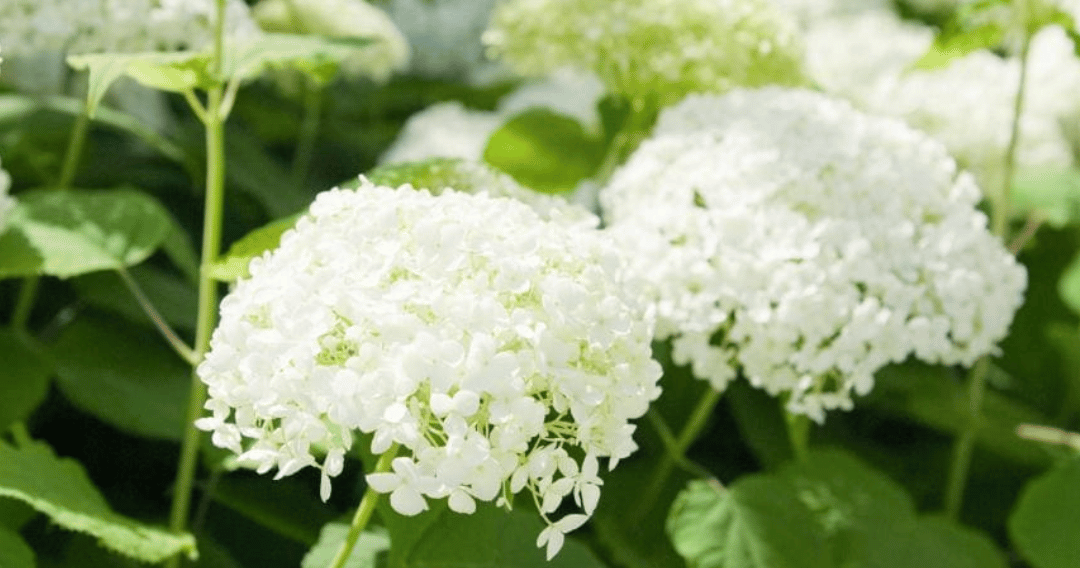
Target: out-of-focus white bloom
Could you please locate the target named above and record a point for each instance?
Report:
(441, 174)
(87, 26)
(443, 130)
(445, 37)
(809, 12)
(793, 239)
(650, 50)
(341, 19)
(500, 352)
(969, 106)
(568, 92)
(7, 203)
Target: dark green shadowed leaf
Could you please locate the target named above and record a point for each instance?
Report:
(14, 552)
(1046, 522)
(123, 376)
(758, 522)
(545, 151)
(234, 264)
(172, 296)
(24, 379)
(60, 489)
(365, 555)
(74, 232)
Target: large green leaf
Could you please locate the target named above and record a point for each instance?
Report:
(25, 378)
(1051, 193)
(115, 373)
(758, 522)
(179, 71)
(1069, 285)
(60, 488)
(545, 151)
(491, 537)
(1046, 522)
(365, 554)
(14, 552)
(286, 507)
(172, 296)
(316, 56)
(234, 264)
(71, 232)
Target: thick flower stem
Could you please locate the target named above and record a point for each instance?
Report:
(74, 149)
(363, 512)
(798, 427)
(965, 444)
(675, 451)
(208, 293)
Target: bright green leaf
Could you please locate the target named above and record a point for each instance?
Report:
(1051, 193)
(364, 554)
(117, 374)
(1069, 285)
(14, 552)
(545, 151)
(316, 56)
(60, 489)
(178, 71)
(234, 264)
(74, 232)
(25, 378)
(955, 43)
(758, 522)
(1045, 524)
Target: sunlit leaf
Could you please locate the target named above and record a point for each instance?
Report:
(1051, 193)
(545, 151)
(316, 56)
(233, 265)
(364, 555)
(60, 489)
(177, 71)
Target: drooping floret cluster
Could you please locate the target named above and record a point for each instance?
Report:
(804, 244)
(649, 49)
(494, 351)
(89, 26)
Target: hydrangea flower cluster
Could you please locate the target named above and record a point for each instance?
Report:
(445, 37)
(805, 244)
(341, 19)
(32, 26)
(496, 352)
(649, 49)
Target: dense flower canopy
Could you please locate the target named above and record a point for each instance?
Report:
(649, 49)
(501, 352)
(804, 244)
(88, 26)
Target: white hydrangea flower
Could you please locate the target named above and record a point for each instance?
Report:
(7, 202)
(87, 26)
(810, 12)
(341, 19)
(445, 38)
(443, 130)
(441, 174)
(501, 353)
(793, 239)
(649, 49)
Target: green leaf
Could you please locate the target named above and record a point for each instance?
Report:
(25, 378)
(71, 232)
(758, 522)
(288, 508)
(1069, 285)
(954, 43)
(545, 151)
(117, 374)
(14, 552)
(491, 537)
(174, 298)
(1045, 524)
(60, 488)
(234, 264)
(178, 71)
(368, 547)
(178, 247)
(316, 56)
(1051, 193)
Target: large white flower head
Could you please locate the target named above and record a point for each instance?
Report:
(88, 26)
(341, 19)
(498, 352)
(793, 239)
(650, 49)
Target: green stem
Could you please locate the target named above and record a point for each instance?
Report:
(309, 131)
(999, 216)
(363, 512)
(675, 453)
(798, 427)
(75, 147)
(965, 443)
(24, 304)
(178, 345)
(208, 290)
